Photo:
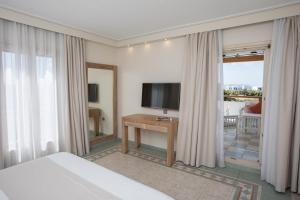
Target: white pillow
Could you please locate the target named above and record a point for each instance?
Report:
(3, 196)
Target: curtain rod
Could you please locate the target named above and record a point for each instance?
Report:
(248, 47)
(231, 49)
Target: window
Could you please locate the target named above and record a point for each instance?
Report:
(26, 108)
(47, 100)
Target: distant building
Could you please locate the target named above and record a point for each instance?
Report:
(242, 87)
(257, 88)
(237, 87)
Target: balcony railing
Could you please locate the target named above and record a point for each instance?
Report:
(259, 98)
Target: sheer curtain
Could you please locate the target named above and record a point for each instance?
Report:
(281, 143)
(33, 93)
(200, 131)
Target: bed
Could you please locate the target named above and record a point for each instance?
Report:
(63, 176)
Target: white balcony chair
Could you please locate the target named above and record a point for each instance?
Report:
(248, 123)
(230, 121)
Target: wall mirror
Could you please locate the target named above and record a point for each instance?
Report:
(102, 102)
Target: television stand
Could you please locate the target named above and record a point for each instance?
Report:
(149, 122)
(95, 113)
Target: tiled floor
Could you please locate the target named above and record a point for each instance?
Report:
(268, 192)
(245, 146)
(92, 134)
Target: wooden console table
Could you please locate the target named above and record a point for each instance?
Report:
(150, 122)
(95, 113)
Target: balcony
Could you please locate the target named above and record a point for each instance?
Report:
(242, 127)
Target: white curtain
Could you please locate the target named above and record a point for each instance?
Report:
(200, 131)
(267, 54)
(281, 142)
(34, 115)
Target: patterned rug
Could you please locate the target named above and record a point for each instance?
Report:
(179, 181)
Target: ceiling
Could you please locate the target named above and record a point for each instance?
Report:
(124, 19)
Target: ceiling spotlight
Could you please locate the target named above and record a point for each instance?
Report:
(147, 45)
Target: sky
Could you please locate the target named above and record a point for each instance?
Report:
(247, 73)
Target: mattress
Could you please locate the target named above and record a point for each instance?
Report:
(63, 176)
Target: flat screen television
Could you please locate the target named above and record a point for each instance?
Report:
(93, 92)
(161, 95)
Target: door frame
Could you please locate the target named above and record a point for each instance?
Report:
(249, 58)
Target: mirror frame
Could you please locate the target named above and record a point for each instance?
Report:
(113, 68)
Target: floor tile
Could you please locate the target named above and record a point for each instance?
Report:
(250, 155)
(245, 146)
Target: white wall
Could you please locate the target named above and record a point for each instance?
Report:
(158, 62)
(104, 79)
(233, 107)
(162, 62)
(250, 34)
(100, 53)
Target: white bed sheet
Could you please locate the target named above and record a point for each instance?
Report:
(63, 176)
(112, 182)
(3, 196)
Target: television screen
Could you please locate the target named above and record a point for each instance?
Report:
(93, 92)
(161, 95)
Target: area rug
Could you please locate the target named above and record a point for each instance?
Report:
(179, 181)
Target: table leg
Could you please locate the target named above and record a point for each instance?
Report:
(96, 123)
(125, 139)
(137, 137)
(170, 147)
